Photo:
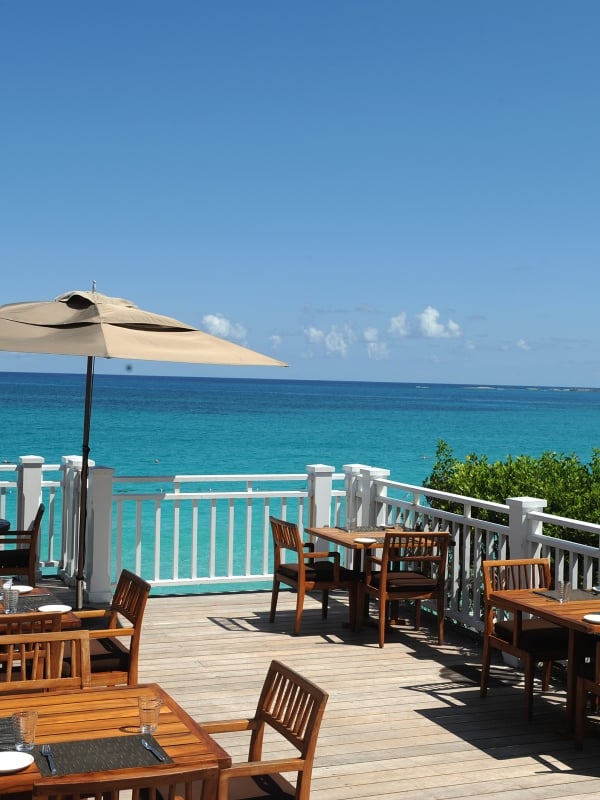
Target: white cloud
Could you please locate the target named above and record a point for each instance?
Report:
(314, 335)
(218, 325)
(275, 340)
(431, 327)
(399, 325)
(522, 345)
(376, 350)
(336, 340)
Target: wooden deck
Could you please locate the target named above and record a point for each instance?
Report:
(400, 721)
(403, 720)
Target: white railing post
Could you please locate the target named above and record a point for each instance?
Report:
(353, 487)
(519, 526)
(29, 496)
(99, 536)
(320, 483)
(372, 513)
(71, 469)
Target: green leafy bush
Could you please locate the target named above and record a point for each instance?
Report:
(570, 487)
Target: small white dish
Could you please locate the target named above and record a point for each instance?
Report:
(365, 540)
(55, 608)
(14, 760)
(22, 588)
(595, 618)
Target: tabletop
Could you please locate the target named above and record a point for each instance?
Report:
(351, 539)
(100, 713)
(543, 603)
(38, 596)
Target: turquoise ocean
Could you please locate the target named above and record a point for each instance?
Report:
(149, 425)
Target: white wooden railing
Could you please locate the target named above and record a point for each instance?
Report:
(211, 532)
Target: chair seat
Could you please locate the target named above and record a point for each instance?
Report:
(107, 655)
(316, 572)
(536, 635)
(405, 579)
(261, 786)
(19, 557)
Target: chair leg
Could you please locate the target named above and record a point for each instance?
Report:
(485, 666)
(324, 603)
(382, 620)
(274, 596)
(546, 675)
(417, 615)
(580, 712)
(441, 620)
(299, 609)
(529, 670)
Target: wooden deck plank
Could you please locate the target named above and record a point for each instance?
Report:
(400, 719)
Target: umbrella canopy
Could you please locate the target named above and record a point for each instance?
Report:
(91, 324)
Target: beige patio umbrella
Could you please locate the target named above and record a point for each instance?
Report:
(93, 325)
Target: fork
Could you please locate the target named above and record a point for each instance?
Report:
(47, 753)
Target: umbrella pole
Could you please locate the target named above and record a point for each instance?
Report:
(85, 454)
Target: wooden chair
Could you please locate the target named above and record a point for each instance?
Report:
(150, 783)
(42, 661)
(307, 571)
(40, 622)
(112, 661)
(18, 549)
(529, 640)
(291, 706)
(412, 566)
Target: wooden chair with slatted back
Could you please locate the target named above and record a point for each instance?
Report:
(43, 661)
(18, 549)
(411, 567)
(529, 640)
(297, 564)
(161, 782)
(291, 706)
(114, 662)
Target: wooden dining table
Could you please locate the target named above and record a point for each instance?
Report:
(351, 540)
(29, 603)
(85, 723)
(584, 636)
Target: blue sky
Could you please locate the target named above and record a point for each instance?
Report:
(373, 190)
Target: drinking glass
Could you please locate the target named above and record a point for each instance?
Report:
(24, 723)
(149, 708)
(564, 592)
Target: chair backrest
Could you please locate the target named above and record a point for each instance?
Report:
(129, 599)
(516, 573)
(19, 548)
(294, 707)
(150, 783)
(47, 660)
(28, 622)
(416, 551)
(286, 536)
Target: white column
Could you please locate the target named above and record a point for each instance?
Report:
(320, 479)
(99, 536)
(29, 496)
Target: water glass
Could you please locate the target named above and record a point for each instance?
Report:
(10, 600)
(24, 723)
(564, 592)
(149, 708)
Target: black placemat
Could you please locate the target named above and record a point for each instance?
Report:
(576, 594)
(31, 602)
(98, 755)
(7, 736)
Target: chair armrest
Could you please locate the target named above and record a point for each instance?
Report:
(92, 613)
(269, 767)
(309, 546)
(110, 633)
(332, 554)
(228, 725)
